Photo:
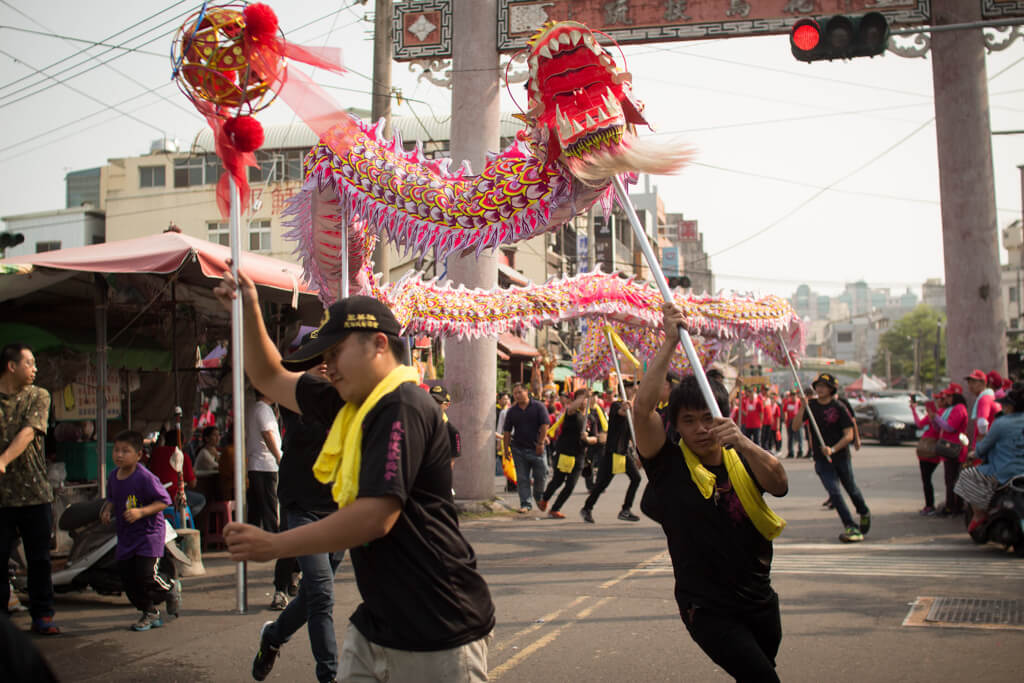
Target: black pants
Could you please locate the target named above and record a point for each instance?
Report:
(19, 658)
(951, 472)
(752, 433)
(927, 470)
(144, 583)
(604, 476)
(744, 644)
(560, 477)
(285, 566)
(261, 500)
(34, 523)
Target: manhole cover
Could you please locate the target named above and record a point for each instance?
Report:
(977, 611)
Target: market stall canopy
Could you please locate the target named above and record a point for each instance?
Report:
(514, 346)
(119, 357)
(194, 259)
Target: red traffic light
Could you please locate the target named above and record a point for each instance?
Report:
(806, 35)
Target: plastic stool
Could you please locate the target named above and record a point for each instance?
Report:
(171, 513)
(219, 513)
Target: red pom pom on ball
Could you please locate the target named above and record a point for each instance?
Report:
(245, 133)
(260, 22)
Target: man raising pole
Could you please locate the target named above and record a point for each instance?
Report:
(706, 493)
(426, 610)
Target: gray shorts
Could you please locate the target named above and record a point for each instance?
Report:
(976, 488)
(363, 661)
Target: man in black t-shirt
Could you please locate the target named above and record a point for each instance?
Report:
(444, 400)
(426, 610)
(833, 463)
(303, 500)
(572, 440)
(619, 444)
(706, 493)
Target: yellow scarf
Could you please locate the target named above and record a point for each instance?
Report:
(765, 521)
(339, 460)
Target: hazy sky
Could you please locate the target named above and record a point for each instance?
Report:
(823, 173)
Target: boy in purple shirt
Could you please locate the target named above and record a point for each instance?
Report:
(137, 499)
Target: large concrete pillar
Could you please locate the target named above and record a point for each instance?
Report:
(380, 103)
(470, 369)
(976, 335)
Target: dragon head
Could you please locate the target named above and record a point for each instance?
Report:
(579, 99)
(581, 107)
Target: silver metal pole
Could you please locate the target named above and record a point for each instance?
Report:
(659, 278)
(800, 388)
(101, 382)
(238, 389)
(622, 387)
(343, 292)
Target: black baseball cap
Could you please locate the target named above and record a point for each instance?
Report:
(827, 379)
(440, 394)
(354, 314)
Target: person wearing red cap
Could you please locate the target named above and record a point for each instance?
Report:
(985, 407)
(952, 423)
(927, 459)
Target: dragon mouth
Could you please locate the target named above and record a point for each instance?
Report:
(577, 92)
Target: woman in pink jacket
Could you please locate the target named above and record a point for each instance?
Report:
(951, 424)
(926, 457)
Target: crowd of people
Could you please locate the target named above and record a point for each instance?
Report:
(360, 459)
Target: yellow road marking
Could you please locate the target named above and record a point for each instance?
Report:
(550, 636)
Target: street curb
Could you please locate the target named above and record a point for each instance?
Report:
(478, 508)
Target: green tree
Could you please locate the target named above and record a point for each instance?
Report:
(920, 324)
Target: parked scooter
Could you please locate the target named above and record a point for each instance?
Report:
(92, 559)
(1005, 523)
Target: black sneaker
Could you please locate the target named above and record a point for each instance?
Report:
(265, 656)
(587, 517)
(865, 522)
(293, 587)
(627, 516)
(173, 602)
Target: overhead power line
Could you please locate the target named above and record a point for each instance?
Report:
(48, 34)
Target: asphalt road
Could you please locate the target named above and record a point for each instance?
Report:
(580, 602)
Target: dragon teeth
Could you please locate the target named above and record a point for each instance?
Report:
(544, 52)
(566, 39)
(575, 37)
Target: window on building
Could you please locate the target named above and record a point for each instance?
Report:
(152, 176)
(1013, 293)
(277, 166)
(844, 337)
(218, 233)
(198, 170)
(259, 236)
(52, 245)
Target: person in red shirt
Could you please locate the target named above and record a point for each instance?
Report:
(751, 415)
(769, 420)
(160, 465)
(790, 405)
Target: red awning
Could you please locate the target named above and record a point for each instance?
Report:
(514, 346)
(166, 253)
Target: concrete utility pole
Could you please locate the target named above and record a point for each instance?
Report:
(976, 334)
(380, 105)
(470, 372)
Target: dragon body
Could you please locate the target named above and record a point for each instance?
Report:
(579, 133)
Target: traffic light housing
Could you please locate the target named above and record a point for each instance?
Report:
(10, 239)
(839, 37)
